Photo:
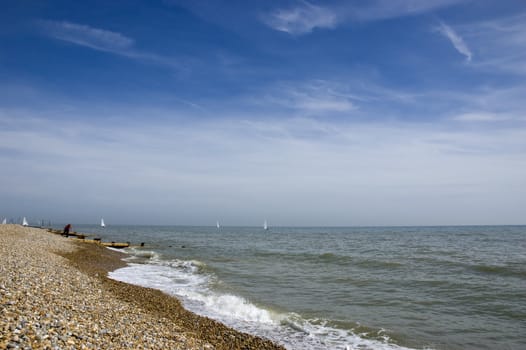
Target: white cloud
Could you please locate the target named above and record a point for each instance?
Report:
(487, 105)
(305, 17)
(103, 40)
(456, 40)
(500, 44)
(319, 98)
(293, 171)
(316, 97)
(485, 117)
(83, 35)
(301, 19)
(385, 9)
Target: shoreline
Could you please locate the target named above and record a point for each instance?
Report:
(55, 291)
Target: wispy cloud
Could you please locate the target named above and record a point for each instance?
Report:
(500, 44)
(360, 96)
(83, 35)
(305, 17)
(102, 40)
(301, 19)
(316, 97)
(456, 40)
(488, 117)
(493, 106)
(385, 9)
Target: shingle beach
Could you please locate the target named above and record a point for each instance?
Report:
(55, 294)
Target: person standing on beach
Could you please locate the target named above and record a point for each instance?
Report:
(66, 229)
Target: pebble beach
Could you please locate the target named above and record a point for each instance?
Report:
(55, 294)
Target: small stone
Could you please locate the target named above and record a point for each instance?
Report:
(54, 294)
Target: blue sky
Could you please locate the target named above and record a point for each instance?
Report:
(398, 112)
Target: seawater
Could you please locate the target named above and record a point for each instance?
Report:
(342, 288)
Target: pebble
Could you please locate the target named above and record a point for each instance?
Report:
(54, 294)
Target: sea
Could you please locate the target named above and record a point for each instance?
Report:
(458, 287)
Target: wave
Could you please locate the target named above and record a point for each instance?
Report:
(378, 264)
(316, 334)
(331, 258)
(137, 254)
(303, 257)
(502, 270)
(191, 282)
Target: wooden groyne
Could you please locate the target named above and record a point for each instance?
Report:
(82, 238)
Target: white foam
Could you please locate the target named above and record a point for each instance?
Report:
(312, 335)
(141, 254)
(179, 278)
(231, 307)
(114, 249)
(186, 280)
(164, 278)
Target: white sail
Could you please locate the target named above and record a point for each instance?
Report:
(4, 222)
(102, 224)
(217, 224)
(265, 226)
(24, 222)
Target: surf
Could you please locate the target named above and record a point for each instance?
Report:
(195, 285)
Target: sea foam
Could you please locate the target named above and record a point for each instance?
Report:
(186, 280)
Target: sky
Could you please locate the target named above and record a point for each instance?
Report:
(301, 113)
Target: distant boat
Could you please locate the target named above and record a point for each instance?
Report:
(24, 222)
(217, 224)
(265, 226)
(4, 222)
(102, 224)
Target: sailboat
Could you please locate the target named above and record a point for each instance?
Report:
(4, 222)
(217, 224)
(265, 226)
(102, 224)
(24, 222)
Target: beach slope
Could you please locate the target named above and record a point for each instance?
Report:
(54, 292)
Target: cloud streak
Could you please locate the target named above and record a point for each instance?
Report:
(317, 97)
(386, 9)
(83, 35)
(302, 19)
(306, 17)
(500, 43)
(456, 40)
(103, 40)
